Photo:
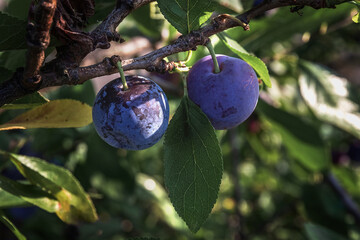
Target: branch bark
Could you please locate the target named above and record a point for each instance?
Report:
(64, 70)
(38, 38)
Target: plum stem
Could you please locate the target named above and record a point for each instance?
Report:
(122, 75)
(213, 56)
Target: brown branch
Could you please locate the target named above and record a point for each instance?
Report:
(38, 38)
(105, 32)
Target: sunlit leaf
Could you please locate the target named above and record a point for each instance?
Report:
(356, 18)
(54, 114)
(74, 204)
(162, 201)
(9, 200)
(256, 63)
(186, 15)
(29, 101)
(193, 164)
(29, 193)
(328, 96)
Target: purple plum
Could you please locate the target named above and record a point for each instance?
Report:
(227, 98)
(132, 119)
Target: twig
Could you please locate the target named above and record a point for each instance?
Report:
(64, 71)
(345, 197)
(106, 31)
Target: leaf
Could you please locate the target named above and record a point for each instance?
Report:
(18, 8)
(74, 204)
(9, 200)
(13, 32)
(54, 114)
(11, 226)
(265, 31)
(317, 232)
(29, 193)
(29, 101)
(228, 6)
(148, 20)
(300, 138)
(328, 96)
(160, 197)
(256, 63)
(356, 18)
(186, 15)
(193, 164)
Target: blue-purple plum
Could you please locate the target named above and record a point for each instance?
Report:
(132, 119)
(227, 98)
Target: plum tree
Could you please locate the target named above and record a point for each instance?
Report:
(132, 119)
(227, 98)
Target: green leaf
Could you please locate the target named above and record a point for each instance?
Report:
(228, 6)
(328, 96)
(11, 226)
(64, 113)
(18, 8)
(256, 63)
(186, 15)
(74, 204)
(356, 18)
(9, 200)
(12, 31)
(317, 232)
(148, 20)
(265, 31)
(193, 164)
(29, 193)
(160, 197)
(29, 101)
(300, 138)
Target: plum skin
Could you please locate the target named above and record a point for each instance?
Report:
(134, 119)
(227, 98)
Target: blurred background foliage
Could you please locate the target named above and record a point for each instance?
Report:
(279, 165)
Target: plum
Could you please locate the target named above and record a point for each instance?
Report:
(227, 98)
(132, 119)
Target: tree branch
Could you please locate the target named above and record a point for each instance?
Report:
(55, 74)
(106, 31)
(38, 38)
(350, 205)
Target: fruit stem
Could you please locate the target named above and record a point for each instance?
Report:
(122, 75)
(213, 56)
